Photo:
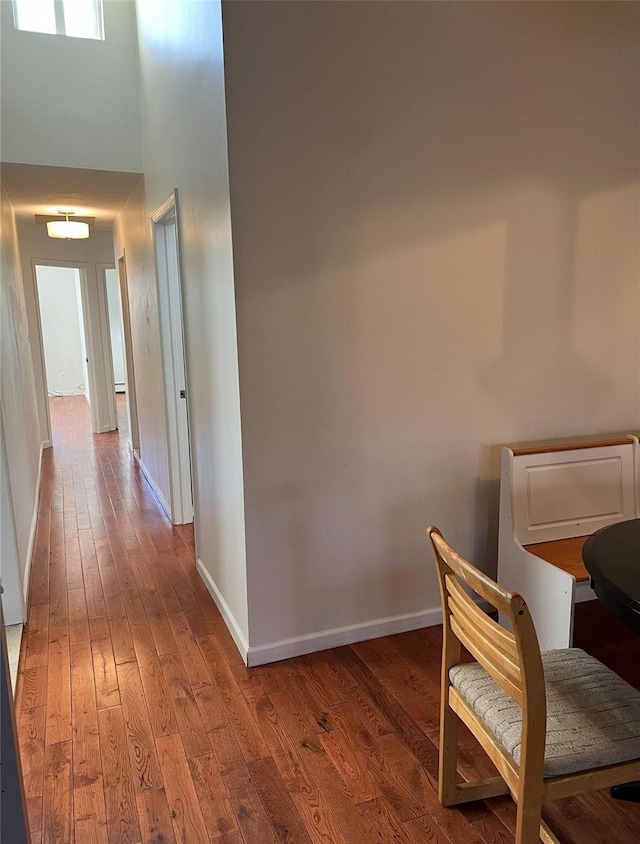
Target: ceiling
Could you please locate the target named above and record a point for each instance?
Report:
(38, 189)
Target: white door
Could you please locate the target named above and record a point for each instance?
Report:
(175, 374)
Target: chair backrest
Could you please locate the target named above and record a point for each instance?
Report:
(511, 657)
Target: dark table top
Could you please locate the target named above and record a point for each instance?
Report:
(612, 557)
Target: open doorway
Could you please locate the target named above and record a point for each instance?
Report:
(115, 329)
(74, 338)
(62, 323)
(167, 254)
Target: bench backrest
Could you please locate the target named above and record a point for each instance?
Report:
(563, 491)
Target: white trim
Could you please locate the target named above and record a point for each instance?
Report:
(167, 253)
(225, 612)
(32, 534)
(153, 485)
(130, 382)
(105, 344)
(337, 636)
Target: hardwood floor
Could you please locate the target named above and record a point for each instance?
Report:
(139, 722)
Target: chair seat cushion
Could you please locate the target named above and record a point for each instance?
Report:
(593, 715)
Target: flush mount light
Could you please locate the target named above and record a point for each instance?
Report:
(67, 229)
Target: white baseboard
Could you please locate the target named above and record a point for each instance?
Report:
(152, 484)
(337, 636)
(32, 533)
(225, 612)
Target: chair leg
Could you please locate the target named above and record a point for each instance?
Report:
(447, 767)
(529, 825)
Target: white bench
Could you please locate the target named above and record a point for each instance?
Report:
(552, 496)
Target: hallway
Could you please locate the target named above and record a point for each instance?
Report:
(110, 671)
(139, 722)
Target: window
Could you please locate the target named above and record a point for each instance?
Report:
(76, 18)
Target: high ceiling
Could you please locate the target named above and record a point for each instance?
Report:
(37, 189)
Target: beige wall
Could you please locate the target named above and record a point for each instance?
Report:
(72, 102)
(133, 238)
(184, 143)
(21, 439)
(435, 219)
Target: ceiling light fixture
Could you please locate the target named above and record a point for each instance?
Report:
(67, 229)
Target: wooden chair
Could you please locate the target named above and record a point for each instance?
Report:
(554, 724)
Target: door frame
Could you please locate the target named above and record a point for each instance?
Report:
(129, 367)
(97, 342)
(174, 359)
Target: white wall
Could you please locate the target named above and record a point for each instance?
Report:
(21, 446)
(435, 229)
(72, 102)
(184, 140)
(36, 246)
(61, 330)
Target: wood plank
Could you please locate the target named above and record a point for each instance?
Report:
(349, 818)
(31, 735)
(121, 640)
(120, 804)
(59, 689)
(90, 813)
(58, 794)
(78, 618)
(161, 630)
(238, 714)
(184, 808)
(280, 808)
(344, 751)
(318, 818)
(210, 706)
(190, 724)
(37, 635)
(105, 675)
(155, 821)
(247, 806)
(87, 766)
(422, 748)
(283, 749)
(389, 827)
(58, 604)
(142, 749)
(190, 653)
(35, 810)
(217, 811)
(34, 687)
(161, 714)
(99, 628)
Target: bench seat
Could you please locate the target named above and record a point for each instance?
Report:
(566, 554)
